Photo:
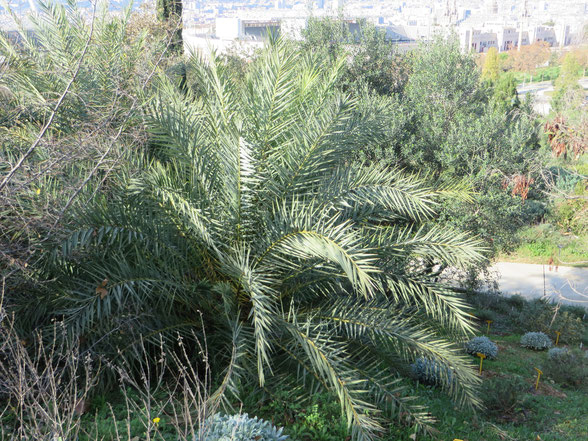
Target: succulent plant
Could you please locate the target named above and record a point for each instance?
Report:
(431, 372)
(239, 428)
(536, 340)
(482, 345)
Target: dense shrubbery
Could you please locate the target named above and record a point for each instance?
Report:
(567, 367)
(261, 204)
(517, 314)
(245, 217)
(503, 394)
(239, 428)
(536, 340)
(483, 345)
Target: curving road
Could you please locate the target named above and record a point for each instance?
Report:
(542, 103)
(568, 284)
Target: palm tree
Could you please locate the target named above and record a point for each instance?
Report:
(249, 216)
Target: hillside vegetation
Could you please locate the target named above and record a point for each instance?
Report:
(182, 235)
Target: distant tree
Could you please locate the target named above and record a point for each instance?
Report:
(372, 59)
(568, 94)
(490, 70)
(326, 34)
(170, 12)
(505, 92)
(581, 54)
(375, 62)
(451, 126)
(529, 57)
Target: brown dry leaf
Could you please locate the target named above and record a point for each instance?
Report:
(101, 289)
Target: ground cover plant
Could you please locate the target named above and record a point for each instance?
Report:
(513, 409)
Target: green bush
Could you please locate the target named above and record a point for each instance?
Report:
(431, 372)
(528, 318)
(576, 311)
(502, 395)
(572, 215)
(483, 345)
(566, 367)
(318, 418)
(486, 314)
(536, 340)
(558, 354)
(239, 428)
(570, 327)
(516, 301)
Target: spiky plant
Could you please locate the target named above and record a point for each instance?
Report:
(70, 101)
(248, 214)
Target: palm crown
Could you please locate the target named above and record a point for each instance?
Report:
(249, 212)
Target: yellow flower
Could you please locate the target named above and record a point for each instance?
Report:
(156, 420)
(38, 191)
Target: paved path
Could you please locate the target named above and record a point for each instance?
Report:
(542, 103)
(568, 284)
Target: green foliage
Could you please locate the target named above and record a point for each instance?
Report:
(558, 354)
(568, 94)
(247, 213)
(571, 215)
(457, 131)
(547, 319)
(482, 345)
(540, 242)
(505, 92)
(517, 301)
(317, 418)
(170, 12)
(536, 340)
(96, 128)
(329, 34)
(566, 367)
(372, 61)
(570, 326)
(238, 428)
(490, 70)
(502, 395)
(431, 372)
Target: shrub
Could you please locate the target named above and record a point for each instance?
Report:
(517, 301)
(536, 340)
(558, 354)
(486, 314)
(502, 395)
(571, 327)
(568, 368)
(543, 316)
(239, 428)
(241, 209)
(482, 345)
(575, 311)
(431, 372)
(534, 314)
